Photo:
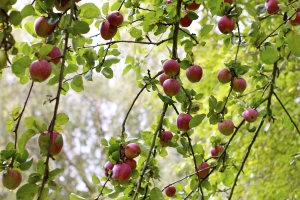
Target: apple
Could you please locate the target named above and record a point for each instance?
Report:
(121, 172)
(62, 5)
(272, 6)
(132, 150)
(228, 1)
(250, 115)
(239, 84)
(171, 68)
(193, 6)
(55, 55)
(40, 70)
(108, 31)
(226, 127)
(296, 21)
(162, 78)
(171, 87)
(186, 20)
(3, 60)
(108, 167)
(226, 24)
(42, 28)
(170, 191)
(169, 1)
(224, 76)
(204, 173)
(57, 142)
(215, 151)
(166, 136)
(11, 179)
(131, 163)
(115, 18)
(182, 122)
(194, 73)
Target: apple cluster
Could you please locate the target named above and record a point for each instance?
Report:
(109, 27)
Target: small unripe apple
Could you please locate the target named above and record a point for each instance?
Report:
(57, 142)
(272, 6)
(121, 172)
(250, 115)
(166, 136)
(186, 21)
(3, 60)
(226, 24)
(224, 75)
(162, 78)
(40, 70)
(108, 167)
(170, 191)
(215, 151)
(204, 173)
(55, 53)
(131, 163)
(296, 21)
(42, 28)
(228, 1)
(132, 150)
(194, 73)
(171, 87)
(62, 5)
(171, 68)
(108, 31)
(11, 179)
(226, 127)
(183, 121)
(239, 84)
(115, 18)
(193, 6)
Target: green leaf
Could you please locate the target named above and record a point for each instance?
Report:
(27, 10)
(269, 55)
(108, 72)
(212, 101)
(80, 27)
(45, 49)
(196, 120)
(250, 9)
(95, 179)
(165, 99)
(34, 177)
(227, 177)
(206, 29)
(89, 11)
(22, 156)
(55, 172)
(7, 154)
(19, 66)
(193, 15)
(135, 33)
(156, 194)
(27, 191)
(293, 41)
(15, 17)
(40, 166)
(104, 142)
(77, 83)
(62, 118)
(26, 165)
(105, 8)
(76, 197)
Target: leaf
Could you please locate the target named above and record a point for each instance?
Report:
(89, 11)
(7, 154)
(269, 55)
(80, 27)
(293, 41)
(26, 165)
(192, 15)
(108, 72)
(95, 179)
(135, 33)
(34, 177)
(27, 191)
(196, 120)
(19, 66)
(206, 29)
(250, 9)
(15, 17)
(105, 8)
(76, 197)
(212, 101)
(62, 118)
(156, 194)
(89, 75)
(27, 10)
(165, 99)
(55, 172)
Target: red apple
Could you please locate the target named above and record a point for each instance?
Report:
(115, 18)
(132, 150)
(215, 151)
(166, 136)
(40, 70)
(226, 24)
(171, 68)
(131, 163)
(224, 75)
(183, 121)
(169, 1)
(55, 55)
(186, 20)
(162, 78)
(42, 28)
(170, 191)
(250, 115)
(193, 6)
(108, 31)
(62, 5)
(226, 127)
(228, 1)
(11, 179)
(204, 173)
(121, 172)
(3, 60)
(57, 142)
(272, 6)
(108, 167)
(171, 87)
(296, 21)
(239, 84)
(194, 73)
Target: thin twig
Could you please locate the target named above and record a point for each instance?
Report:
(100, 193)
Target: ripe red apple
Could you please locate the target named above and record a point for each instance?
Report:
(3, 60)
(55, 53)
(162, 78)
(229, 1)
(62, 5)
(121, 172)
(108, 31)
(193, 6)
(108, 167)
(250, 115)
(215, 151)
(42, 28)
(131, 163)
(57, 142)
(272, 6)
(204, 173)
(224, 75)
(40, 70)
(165, 137)
(170, 191)
(171, 87)
(132, 150)
(226, 24)
(11, 179)
(115, 18)
(239, 84)
(296, 21)
(171, 68)
(226, 127)
(194, 73)
(186, 20)
(183, 121)
(169, 1)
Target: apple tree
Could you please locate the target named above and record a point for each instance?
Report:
(223, 81)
